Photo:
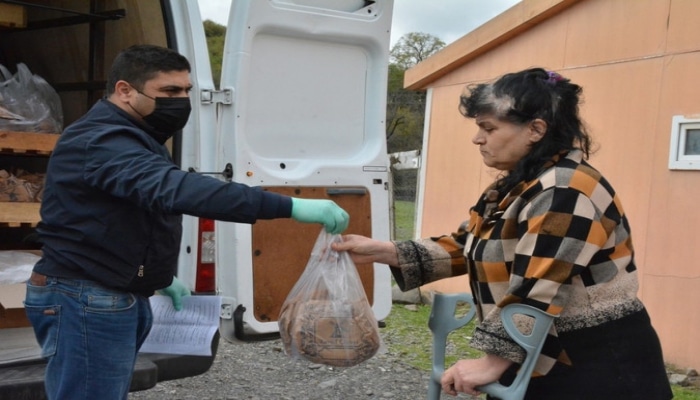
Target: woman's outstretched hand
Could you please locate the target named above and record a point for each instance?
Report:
(367, 250)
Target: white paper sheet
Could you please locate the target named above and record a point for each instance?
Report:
(188, 331)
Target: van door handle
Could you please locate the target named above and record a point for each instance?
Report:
(227, 173)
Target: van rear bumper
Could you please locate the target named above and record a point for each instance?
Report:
(22, 368)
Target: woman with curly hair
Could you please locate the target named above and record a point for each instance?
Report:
(551, 233)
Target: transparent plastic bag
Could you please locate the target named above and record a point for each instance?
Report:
(16, 266)
(28, 103)
(326, 318)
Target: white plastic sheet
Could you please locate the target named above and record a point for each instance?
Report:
(16, 266)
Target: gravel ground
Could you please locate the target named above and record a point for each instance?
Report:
(261, 371)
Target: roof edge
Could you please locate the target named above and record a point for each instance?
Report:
(493, 33)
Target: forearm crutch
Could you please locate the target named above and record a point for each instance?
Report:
(442, 321)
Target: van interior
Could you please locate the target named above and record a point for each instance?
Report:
(69, 45)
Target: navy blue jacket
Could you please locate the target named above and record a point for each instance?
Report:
(113, 202)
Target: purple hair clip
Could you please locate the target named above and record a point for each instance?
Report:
(553, 78)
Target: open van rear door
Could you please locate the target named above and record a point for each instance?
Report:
(307, 81)
(194, 148)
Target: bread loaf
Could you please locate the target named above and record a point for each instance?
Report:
(329, 332)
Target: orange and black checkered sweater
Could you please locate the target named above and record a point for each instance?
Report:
(560, 243)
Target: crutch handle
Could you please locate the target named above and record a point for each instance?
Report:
(442, 321)
(532, 343)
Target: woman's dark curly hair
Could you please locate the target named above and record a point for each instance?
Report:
(523, 96)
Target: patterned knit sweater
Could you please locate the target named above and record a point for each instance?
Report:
(560, 243)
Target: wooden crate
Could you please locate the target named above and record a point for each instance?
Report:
(13, 16)
(29, 143)
(16, 214)
(13, 318)
(12, 314)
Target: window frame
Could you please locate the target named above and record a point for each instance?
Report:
(678, 158)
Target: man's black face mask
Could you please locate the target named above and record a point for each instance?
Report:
(169, 116)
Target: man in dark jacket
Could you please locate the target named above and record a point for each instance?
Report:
(111, 225)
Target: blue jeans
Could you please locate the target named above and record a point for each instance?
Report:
(90, 336)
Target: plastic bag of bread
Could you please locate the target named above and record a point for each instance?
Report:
(326, 318)
(28, 103)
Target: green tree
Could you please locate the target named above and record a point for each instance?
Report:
(215, 34)
(406, 108)
(413, 48)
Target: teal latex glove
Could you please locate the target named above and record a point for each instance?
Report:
(176, 291)
(325, 212)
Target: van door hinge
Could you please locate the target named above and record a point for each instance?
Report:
(226, 311)
(210, 96)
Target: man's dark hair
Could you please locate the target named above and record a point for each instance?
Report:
(137, 64)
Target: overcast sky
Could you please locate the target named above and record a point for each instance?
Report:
(447, 19)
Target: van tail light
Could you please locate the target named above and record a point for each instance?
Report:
(205, 281)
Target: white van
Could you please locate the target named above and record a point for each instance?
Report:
(300, 111)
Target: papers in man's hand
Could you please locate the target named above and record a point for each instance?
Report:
(188, 331)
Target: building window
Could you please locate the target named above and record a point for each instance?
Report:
(685, 143)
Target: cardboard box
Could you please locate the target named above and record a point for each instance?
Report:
(13, 16)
